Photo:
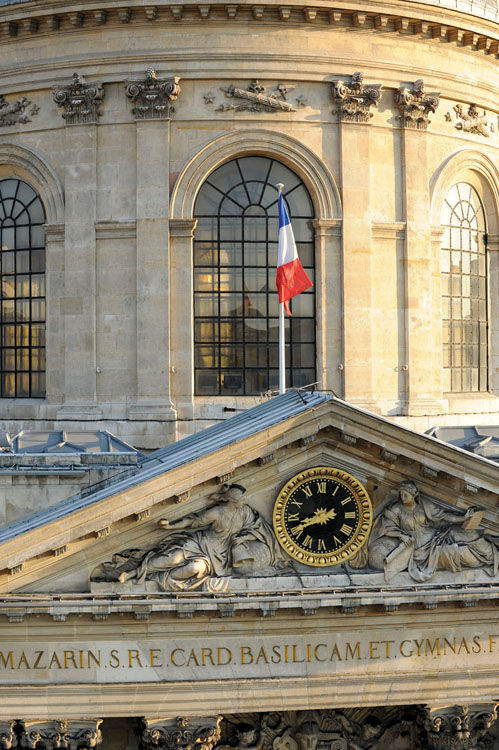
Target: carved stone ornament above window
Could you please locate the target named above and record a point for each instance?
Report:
(255, 98)
(471, 121)
(355, 99)
(152, 97)
(79, 100)
(15, 112)
(415, 105)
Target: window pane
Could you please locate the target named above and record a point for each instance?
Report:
(235, 256)
(464, 290)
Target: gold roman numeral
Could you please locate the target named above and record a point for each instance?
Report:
(321, 545)
(295, 502)
(346, 500)
(297, 531)
(307, 491)
(296, 517)
(346, 529)
(350, 514)
(307, 542)
(321, 487)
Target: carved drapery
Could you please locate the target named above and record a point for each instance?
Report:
(152, 97)
(355, 99)
(182, 733)
(79, 100)
(460, 727)
(61, 735)
(415, 105)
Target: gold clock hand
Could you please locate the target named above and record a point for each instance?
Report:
(320, 516)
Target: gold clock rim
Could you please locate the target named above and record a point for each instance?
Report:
(364, 525)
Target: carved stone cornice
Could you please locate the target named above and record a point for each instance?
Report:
(61, 735)
(182, 733)
(152, 97)
(459, 727)
(415, 105)
(79, 100)
(355, 99)
(7, 736)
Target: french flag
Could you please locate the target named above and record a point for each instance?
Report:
(291, 278)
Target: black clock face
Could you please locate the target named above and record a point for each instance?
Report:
(322, 516)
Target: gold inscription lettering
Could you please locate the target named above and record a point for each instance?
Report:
(8, 661)
(246, 654)
(192, 657)
(69, 656)
(492, 642)
(402, 647)
(23, 661)
(462, 645)
(55, 659)
(452, 646)
(91, 657)
(173, 657)
(39, 655)
(276, 655)
(295, 658)
(153, 655)
(316, 652)
(477, 647)
(353, 653)
(221, 650)
(433, 648)
(133, 655)
(373, 646)
(114, 661)
(262, 655)
(207, 653)
(335, 653)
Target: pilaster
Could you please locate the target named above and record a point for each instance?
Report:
(153, 400)
(328, 305)
(78, 305)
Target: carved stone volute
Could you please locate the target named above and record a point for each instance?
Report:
(79, 100)
(7, 736)
(459, 727)
(415, 105)
(180, 733)
(61, 735)
(355, 99)
(152, 97)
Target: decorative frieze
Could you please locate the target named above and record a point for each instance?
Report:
(152, 97)
(12, 113)
(460, 727)
(471, 121)
(355, 100)
(254, 98)
(182, 733)
(415, 105)
(61, 735)
(80, 101)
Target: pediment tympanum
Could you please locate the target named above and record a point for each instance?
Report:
(208, 524)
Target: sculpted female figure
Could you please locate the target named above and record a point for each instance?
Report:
(207, 545)
(419, 536)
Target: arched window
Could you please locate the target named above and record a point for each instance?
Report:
(22, 271)
(464, 291)
(235, 297)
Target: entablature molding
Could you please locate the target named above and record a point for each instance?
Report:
(431, 22)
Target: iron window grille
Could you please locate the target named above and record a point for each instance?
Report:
(22, 272)
(235, 296)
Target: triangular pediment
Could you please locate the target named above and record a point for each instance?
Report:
(108, 540)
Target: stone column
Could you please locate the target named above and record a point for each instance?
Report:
(328, 304)
(153, 337)
(182, 315)
(459, 727)
(181, 733)
(78, 305)
(67, 734)
(80, 102)
(422, 264)
(355, 101)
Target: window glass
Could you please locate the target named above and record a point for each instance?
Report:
(464, 291)
(22, 312)
(235, 297)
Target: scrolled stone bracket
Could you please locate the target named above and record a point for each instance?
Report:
(355, 99)
(8, 738)
(459, 727)
(181, 733)
(67, 734)
(80, 101)
(153, 97)
(415, 105)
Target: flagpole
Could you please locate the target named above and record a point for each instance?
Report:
(282, 346)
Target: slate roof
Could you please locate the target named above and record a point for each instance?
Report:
(209, 440)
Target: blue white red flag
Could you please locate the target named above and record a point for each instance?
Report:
(291, 278)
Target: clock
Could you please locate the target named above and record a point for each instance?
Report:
(322, 516)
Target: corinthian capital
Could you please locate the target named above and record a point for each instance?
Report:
(71, 734)
(459, 727)
(79, 100)
(180, 733)
(355, 99)
(7, 736)
(152, 97)
(415, 105)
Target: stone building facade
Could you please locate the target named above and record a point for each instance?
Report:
(117, 116)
